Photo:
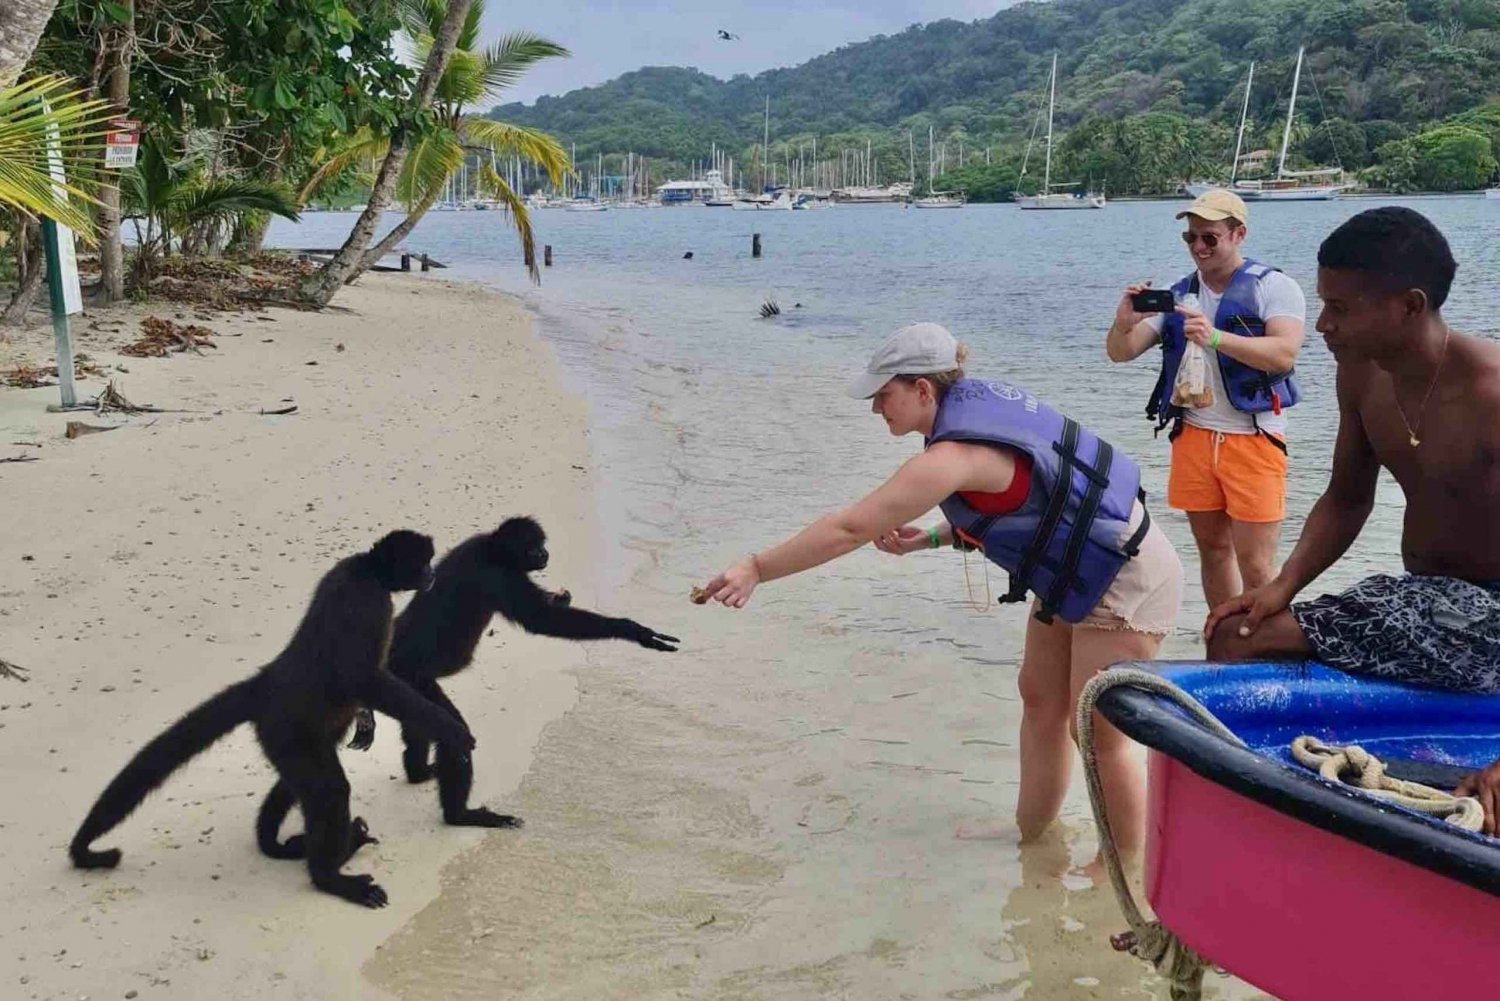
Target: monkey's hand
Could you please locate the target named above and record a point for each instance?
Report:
(364, 729)
(649, 638)
(563, 597)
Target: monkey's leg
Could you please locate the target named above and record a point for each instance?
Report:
(317, 780)
(273, 812)
(455, 774)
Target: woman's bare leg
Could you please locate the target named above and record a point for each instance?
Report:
(1046, 707)
(1121, 771)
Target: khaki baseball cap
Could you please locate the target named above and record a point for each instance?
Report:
(1215, 205)
(920, 349)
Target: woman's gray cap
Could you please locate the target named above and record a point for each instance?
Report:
(920, 349)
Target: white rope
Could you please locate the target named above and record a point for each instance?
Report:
(1354, 766)
(1149, 940)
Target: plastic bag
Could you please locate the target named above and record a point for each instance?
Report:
(1191, 387)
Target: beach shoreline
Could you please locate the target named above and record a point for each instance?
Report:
(149, 566)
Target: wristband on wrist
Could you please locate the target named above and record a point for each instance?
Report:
(933, 538)
(1218, 335)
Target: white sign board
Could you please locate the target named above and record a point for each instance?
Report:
(121, 143)
(67, 258)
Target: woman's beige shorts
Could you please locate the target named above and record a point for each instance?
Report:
(1147, 592)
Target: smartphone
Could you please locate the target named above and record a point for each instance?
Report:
(1153, 300)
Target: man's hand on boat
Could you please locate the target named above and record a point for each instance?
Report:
(1485, 787)
(1256, 605)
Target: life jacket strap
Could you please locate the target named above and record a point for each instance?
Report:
(1133, 544)
(1067, 574)
(1051, 518)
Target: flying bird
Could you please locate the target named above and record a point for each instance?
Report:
(726, 36)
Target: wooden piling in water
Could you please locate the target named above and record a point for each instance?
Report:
(755, 245)
(426, 264)
(405, 261)
(547, 255)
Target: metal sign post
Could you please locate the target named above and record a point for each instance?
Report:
(62, 275)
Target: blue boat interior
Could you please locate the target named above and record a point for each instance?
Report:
(1427, 735)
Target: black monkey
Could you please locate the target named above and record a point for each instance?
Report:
(437, 632)
(301, 703)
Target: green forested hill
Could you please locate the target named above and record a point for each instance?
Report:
(1166, 75)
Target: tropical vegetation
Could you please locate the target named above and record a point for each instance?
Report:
(1149, 93)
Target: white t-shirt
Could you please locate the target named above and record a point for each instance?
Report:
(1275, 295)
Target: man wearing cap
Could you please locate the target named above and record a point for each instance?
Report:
(1229, 457)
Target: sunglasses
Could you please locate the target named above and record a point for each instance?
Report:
(1210, 240)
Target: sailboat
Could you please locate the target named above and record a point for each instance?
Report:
(937, 199)
(764, 200)
(1047, 198)
(1287, 185)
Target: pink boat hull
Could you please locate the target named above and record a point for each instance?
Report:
(1304, 914)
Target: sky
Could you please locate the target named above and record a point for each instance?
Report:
(610, 38)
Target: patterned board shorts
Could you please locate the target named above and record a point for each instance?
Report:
(1436, 631)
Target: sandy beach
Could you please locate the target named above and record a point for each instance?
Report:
(147, 567)
(773, 813)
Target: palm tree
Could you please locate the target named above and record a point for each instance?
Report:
(181, 204)
(473, 74)
(44, 122)
(21, 24)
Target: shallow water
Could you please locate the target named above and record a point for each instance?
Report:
(771, 812)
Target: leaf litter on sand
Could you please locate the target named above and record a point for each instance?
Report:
(164, 337)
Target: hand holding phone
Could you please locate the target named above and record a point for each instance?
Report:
(1153, 300)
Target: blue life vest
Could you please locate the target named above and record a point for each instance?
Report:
(1069, 539)
(1250, 390)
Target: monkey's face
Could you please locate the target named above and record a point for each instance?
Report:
(403, 561)
(520, 544)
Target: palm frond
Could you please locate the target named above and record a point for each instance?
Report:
(433, 159)
(228, 196)
(48, 114)
(362, 148)
(504, 139)
(462, 82)
(507, 60)
(495, 185)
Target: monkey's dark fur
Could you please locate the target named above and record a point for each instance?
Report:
(436, 635)
(301, 703)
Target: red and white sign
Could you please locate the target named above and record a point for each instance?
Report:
(121, 143)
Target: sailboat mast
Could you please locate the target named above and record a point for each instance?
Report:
(1051, 100)
(766, 155)
(1234, 167)
(911, 157)
(1291, 110)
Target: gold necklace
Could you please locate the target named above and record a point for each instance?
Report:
(1411, 432)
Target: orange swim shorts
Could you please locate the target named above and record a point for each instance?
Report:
(1243, 475)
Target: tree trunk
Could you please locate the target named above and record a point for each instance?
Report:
(111, 248)
(21, 24)
(319, 288)
(395, 236)
(30, 266)
(249, 234)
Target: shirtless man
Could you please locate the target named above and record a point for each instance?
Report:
(1422, 401)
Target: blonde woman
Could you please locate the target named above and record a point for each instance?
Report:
(1044, 499)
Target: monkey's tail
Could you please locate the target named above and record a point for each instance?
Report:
(188, 737)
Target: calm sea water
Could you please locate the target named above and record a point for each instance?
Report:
(837, 730)
(723, 425)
